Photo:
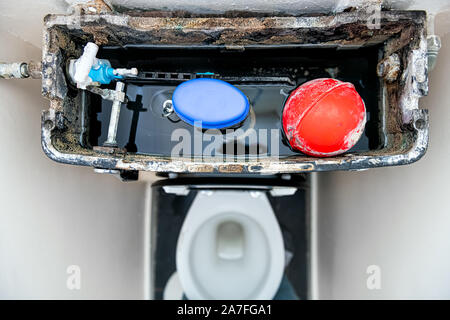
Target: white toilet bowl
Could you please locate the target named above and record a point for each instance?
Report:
(230, 247)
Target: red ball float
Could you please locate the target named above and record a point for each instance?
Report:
(324, 117)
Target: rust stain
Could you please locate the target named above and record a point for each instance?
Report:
(231, 168)
(202, 168)
(99, 34)
(93, 7)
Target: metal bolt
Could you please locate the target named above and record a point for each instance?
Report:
(433, 47)
(114, 119)
(126, 72)
(167, 108)
(15, 70)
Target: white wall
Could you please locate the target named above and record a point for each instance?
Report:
(397, 218)
(53, 215)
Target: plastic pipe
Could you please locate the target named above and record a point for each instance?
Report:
(84, 64)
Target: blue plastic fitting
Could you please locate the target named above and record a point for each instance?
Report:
(103, 73)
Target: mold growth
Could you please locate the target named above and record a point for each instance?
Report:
(239, 35)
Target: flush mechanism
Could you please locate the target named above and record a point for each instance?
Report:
(268, 65)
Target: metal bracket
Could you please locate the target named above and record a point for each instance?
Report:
(433, 47)
(108, 94)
